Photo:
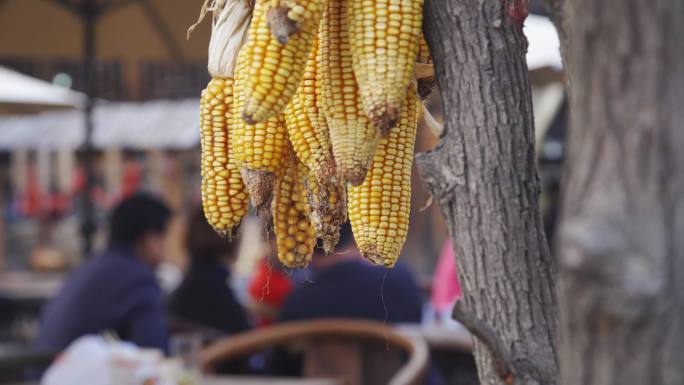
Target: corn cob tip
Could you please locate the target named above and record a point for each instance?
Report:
(384, 117)
(377, 259)
(227, 233)
(260, 186)
(354, 176)
(330, 235)
(282, 27)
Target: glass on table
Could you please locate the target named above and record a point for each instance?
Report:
(186, 349)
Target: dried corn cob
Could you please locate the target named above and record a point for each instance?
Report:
(306, 127)
(328, 200)
(274, 70)
(353, 137)
(287, 17)
(295, 234)
(379, 208)
(384, 38)
(259, 149)
(224, 198)
(309, 136)
(425, 84)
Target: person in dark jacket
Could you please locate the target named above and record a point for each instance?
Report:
(205, 296)
(344, 285)
(116, 291)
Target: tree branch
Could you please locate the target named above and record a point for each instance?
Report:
(502, 362)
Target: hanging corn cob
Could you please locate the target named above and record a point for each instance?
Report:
(379, 208)
(328, 200)
(310, 139)
(353, 137)
(384, 38)
(273, 69)
(295, 234)
(259, 149)
(224, 198)
(295, 127)
(306, 127)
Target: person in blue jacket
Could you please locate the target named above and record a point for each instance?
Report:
(116, 291)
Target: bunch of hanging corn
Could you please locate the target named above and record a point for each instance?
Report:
(319, 99)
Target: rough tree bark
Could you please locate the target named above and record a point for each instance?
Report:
(484, 177)
(621, 241)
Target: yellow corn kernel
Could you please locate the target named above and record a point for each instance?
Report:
(259, 149)
(353, 137)
(379, 209)
(224, 198)
(384, 38)
(273, 70)
(295, 234)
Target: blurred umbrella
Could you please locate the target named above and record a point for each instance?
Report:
(99, 29)
(20, 93)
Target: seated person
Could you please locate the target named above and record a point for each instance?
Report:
(344, 285)
(205, 295)
(269, 287)
(116, 291)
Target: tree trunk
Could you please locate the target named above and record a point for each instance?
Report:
(484, 177)
(621, 240)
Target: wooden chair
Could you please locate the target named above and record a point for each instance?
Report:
(353, 351)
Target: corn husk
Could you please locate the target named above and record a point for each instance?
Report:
(230, 22)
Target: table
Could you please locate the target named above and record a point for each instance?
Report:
(450, 351)
(14, 355)
(29, 286)
(441, 337)
(249, 380)
(22, 296)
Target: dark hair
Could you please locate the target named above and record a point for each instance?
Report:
(136, 216)
(203, 243)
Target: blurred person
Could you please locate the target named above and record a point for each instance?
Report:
(344, 285)
(117, 290)
(269, 287)
(445, 286)
(205, 295)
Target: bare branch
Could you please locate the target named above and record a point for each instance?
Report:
(502, 362)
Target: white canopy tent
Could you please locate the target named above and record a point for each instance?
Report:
(161, 124)
(24, 91)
